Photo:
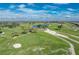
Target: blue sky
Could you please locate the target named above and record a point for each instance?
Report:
(39, 11)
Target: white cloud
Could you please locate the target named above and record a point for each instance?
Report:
(22, 6)
(50, 7)
(31, 4)
(30, 15)
(70, 9)
(68, 16)
(65, 13)
(31, 11)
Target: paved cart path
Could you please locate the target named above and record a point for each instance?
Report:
(73, 35)
(60, 35)
(71, 49)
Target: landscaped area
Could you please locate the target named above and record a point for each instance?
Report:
(32, 39)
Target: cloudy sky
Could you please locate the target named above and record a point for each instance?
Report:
(39, 11)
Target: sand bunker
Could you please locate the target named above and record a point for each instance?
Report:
(17, 45)
(3, 32)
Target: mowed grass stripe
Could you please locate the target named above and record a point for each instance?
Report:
(39, 39)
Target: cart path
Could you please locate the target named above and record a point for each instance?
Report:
(60, 36)
(73, 35)
(60, 49)
(71, 49)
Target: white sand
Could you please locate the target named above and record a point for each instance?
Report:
(3, 33)
(17, 45)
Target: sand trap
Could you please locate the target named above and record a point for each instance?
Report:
(3, 32)
(17, 45)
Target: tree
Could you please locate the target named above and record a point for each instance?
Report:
(0, 30)
(60, 26)
(24, 31)
(15, 34)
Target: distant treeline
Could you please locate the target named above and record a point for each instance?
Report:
(37, 21)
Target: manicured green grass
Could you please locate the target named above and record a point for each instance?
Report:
(65, 30)
(31, 43)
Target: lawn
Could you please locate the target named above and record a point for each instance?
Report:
(67, 28)
(32, 43)
(68, 31)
